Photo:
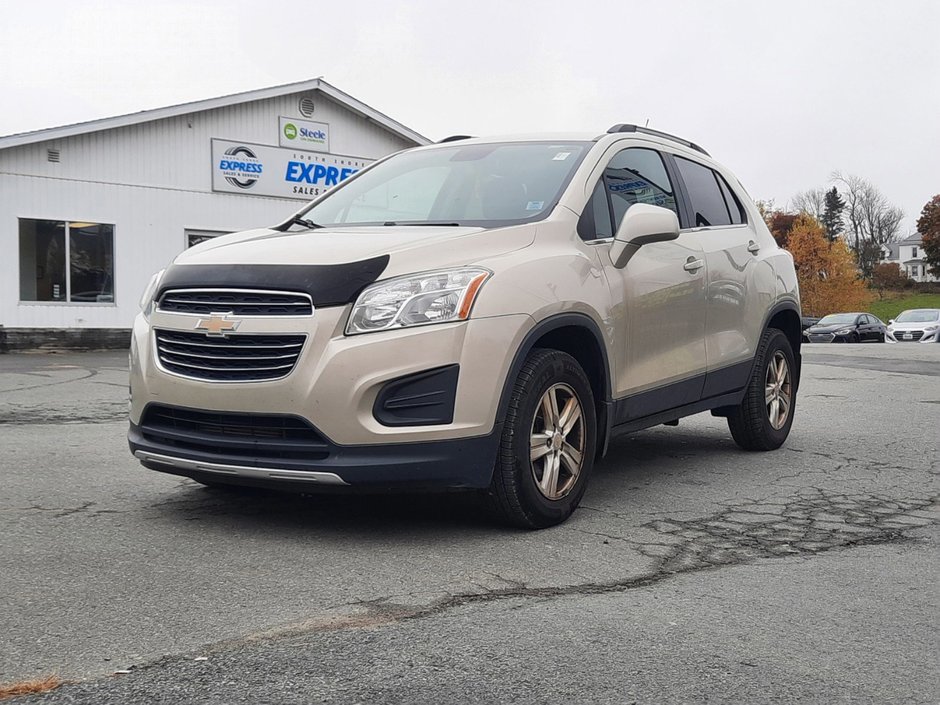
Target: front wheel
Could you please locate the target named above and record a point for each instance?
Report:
(547, 446)
(764, 418)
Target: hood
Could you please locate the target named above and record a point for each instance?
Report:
(829, 329)
(409, 248)
(911, 325)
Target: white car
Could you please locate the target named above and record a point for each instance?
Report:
(916, 325)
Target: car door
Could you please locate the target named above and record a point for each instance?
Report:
(864, 329)
(740, 283)
(658, 298)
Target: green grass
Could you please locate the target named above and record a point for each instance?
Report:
(895, 302)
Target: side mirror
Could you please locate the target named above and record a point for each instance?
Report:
(643, 224)
(890, 321)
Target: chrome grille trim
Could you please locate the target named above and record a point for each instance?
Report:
(236, 358)
(239, 302)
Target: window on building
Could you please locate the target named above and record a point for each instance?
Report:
(194, 237)
(913, 252)
(68, 262)
(708, 203)
(915, 270)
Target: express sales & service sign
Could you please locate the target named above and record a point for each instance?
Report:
(264, 170)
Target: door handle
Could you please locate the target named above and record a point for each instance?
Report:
(693, 265)
(753, 247)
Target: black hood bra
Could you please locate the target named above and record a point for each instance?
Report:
(327, 284)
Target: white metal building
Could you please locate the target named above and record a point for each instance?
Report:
(89, 211)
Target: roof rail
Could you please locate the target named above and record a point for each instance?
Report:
(455, 138)
(625, 127)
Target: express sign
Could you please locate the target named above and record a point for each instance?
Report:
(262, 170)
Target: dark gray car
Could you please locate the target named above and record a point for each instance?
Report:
(847, 328)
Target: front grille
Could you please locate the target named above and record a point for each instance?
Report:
(241, 302)
(821, 338)
(230, 435)
(237, 358)
(915, 335)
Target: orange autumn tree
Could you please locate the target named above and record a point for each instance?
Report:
(828, 276)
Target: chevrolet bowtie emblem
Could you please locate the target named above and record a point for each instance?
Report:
(218, 324)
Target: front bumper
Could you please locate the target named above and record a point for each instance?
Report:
(912, 336)
(339, 386)
(459, 463)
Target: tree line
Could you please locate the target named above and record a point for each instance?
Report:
(836, 236)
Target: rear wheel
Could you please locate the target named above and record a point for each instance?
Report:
(764, 418)
(547, 446)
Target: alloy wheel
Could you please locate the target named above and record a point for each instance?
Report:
(778, 391)
(556, 448)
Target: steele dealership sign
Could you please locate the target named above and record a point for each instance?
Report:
(263, 170)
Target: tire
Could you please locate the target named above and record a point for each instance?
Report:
(756, 424)
(521, 493)
(854, 338)
(881, 337)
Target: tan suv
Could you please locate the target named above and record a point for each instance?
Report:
(480, 314)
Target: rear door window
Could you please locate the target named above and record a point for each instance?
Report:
(709, 207)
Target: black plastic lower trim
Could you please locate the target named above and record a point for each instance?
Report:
(445, 464)
(421, 399)
(732, 399)
(719, 388)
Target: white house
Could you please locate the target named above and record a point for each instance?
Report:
(908, 254)
(88, 212)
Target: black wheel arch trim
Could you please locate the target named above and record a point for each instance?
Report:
(780, 307)
(547, 325)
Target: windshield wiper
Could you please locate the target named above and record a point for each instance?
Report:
(297, 220)
(422, 223)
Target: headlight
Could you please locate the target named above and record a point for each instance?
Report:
(417, 300)
(146, 299)
(931, 329)
(844, 331)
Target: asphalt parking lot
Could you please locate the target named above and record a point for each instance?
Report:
(692, 571)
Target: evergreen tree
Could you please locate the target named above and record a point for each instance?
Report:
(832, 215)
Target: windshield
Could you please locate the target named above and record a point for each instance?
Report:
(487, 185)
(921, 316)
(835, 319)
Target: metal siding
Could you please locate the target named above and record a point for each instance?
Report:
(152, 181)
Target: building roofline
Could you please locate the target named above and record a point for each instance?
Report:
(316, 84)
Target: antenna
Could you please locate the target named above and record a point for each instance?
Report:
(647, 123)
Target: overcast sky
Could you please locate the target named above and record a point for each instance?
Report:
(783, 93)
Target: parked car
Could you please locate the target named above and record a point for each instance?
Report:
(806, 322)
(917, 325)
(847, 328)
(477, 314)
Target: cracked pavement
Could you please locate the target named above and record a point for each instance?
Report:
(692, 570)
